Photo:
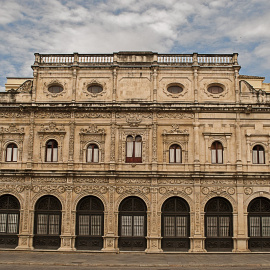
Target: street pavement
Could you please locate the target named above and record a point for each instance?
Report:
(38, 260)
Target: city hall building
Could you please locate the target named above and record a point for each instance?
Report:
(135, 151)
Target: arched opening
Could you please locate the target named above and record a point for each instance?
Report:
(216, 153)
(12, 153)
(47, 228)
(89, 224)
(259, 224)
(134, 149)
(175, 225)
(258, 155)
(9, 221)
(92, 153)
(175, 154)
(218, 225)
(52, 151)
(132, 224)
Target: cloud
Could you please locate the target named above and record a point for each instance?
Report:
(106, 26)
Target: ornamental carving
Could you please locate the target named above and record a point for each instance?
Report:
(218, 190)
(12, 188)
(26, 87)
(132, 115)
(49, 188)
(49, 180)
(175, 181)
(11, 179)
(132, 190)
(175, 115)
(133, 119)
(11, 129)
(52, 128)
(90, 180)
(256, 182)
(218, 182)
(47, 115)
(92, 115)
(12, 114)
(94, 82)
(175, 130)
(90, 189)
(133, 181)
(175, 190)
(248, 191)
(56, 82)
(92, 129)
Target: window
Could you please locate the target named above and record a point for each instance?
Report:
(9, 221)
(47, 228)
(258, 155)
(175, 154)
(134, 149)
(55, 88)
(216, 152)
(259, 224)
(89, 225)
(92, 153)
(218, 225)
(52, 151)
(95, 88)
(215, 89)
(175, 89)
(12, 152)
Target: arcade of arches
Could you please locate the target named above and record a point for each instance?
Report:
(132, 220)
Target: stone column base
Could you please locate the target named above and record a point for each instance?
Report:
(153, 245)
(197, 244)
(67, 243)
(110, 243)
(25, 242)
(240, 244)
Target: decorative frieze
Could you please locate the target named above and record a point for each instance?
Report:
(175, 190)
(218, 190)
(133, 181)
(175, 115)
(92, 115)
(49, 180)
(90, 180)
(132, 190)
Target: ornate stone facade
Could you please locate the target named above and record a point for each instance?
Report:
(135, 151)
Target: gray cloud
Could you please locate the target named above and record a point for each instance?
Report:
(55, 26)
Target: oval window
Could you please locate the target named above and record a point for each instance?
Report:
(175, 89)
(215, 89)
(56, 88)
(95, 88)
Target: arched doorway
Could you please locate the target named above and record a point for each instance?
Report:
(132, 224)
(9, 221)
(89, 224)
(47, 228)
(259, 224)
(175, 225)
(218, 225)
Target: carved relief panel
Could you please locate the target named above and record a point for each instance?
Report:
(92, 135)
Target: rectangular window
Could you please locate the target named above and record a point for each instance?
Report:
(178, 155)
(265, 226)
(213, 156)
(42, 221)
(95, 155)
(172, 155)
(54, 224)
(3, 223)
(261, 157)
(96, 225)
(138, 149)
(126, 229)
(55, 154)
(181, 226)
(15, 153)
(254, 226)
(12, 223)
(212, 229)
(219, 155)
(138, 226)
(129, 149)
(89, 154)
(224, 226)
(254, 157)
(9, 154)
(169, 229)
(83, 225)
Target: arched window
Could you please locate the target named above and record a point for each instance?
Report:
(218, 225)
(52, 151)
(47, 227)
(216, 153)
(175, 225)
(9, 221)
(89, 225)
(92, 153)
(132, 224)
(134, 149)
(259, 224)
(12, 152)
(258, 154)
(175, 154)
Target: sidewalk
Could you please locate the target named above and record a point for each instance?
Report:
(133, 259)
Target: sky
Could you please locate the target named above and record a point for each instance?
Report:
(107, 26)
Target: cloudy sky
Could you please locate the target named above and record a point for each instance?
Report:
(107, 26)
